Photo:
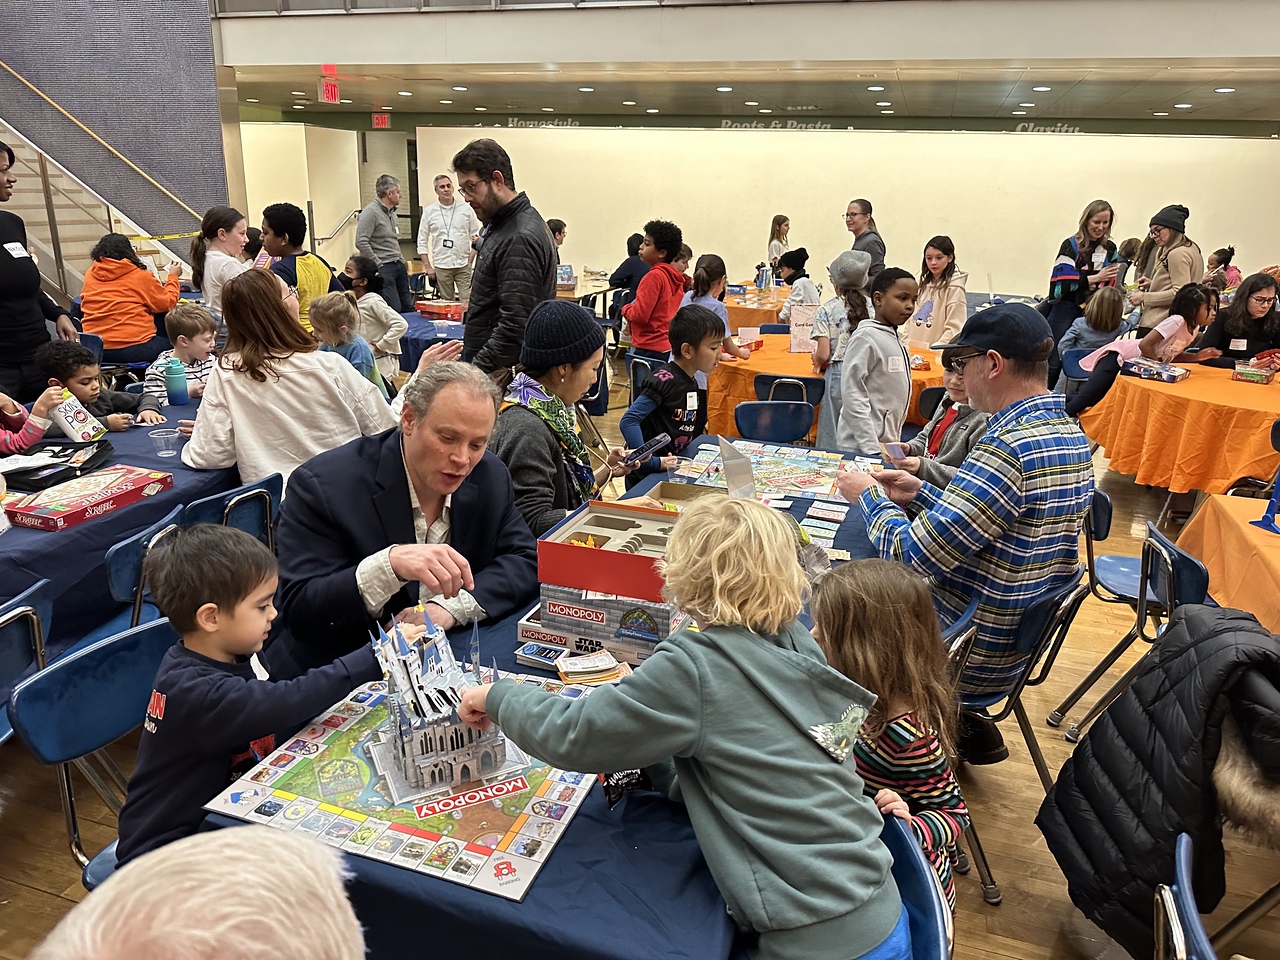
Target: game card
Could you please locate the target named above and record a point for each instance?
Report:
(365, 834)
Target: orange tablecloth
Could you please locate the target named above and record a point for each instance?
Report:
(744, 312)
(1243, 561)
(733, 381)
(1201, 434)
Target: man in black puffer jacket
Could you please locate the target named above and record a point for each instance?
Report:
(1143, 773)
(516, 264)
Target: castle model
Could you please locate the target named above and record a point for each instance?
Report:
(435, 750)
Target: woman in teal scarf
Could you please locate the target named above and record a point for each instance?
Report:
(536, 435)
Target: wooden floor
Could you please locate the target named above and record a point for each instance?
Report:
(40, 881)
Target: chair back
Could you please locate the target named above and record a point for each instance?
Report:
(1071, 364)
(87, 699)
(1275, 435)
(251, 508)
(775, 328)
(959, 637)
(638, 368)
(774, 421)
(93, 343)
(1178, 923)
(771, 386)
(1173, 578)
(139, 387)
(124, 561)
(930, 398)
(24, 620)
(928, 913)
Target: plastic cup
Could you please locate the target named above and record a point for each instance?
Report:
(166, 442)
(674, 473)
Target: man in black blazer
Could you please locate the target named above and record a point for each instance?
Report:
(365, 525)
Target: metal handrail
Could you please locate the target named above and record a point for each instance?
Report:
(110, 149)
(36, 172)
(316, 241)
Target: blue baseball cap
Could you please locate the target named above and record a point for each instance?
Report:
(1016, 331)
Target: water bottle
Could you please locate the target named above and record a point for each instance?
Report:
(175, 382)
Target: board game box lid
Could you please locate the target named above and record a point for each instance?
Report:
(84, 498)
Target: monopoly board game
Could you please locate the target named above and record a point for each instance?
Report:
(335, 781)
(780, 471)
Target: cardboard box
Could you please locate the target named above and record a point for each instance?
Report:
(1152, 370)
(1248, 373)
(534, 627)
(446, 310)
(625, 626)
(680, 495)
(84, 498)
(628, 542)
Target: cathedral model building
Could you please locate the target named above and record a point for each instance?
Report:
(435, 750)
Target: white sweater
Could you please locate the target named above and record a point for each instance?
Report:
(218, 269)
(381, 325)
(317, 401)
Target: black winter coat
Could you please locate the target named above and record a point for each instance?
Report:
(1143, 773)
(515, 269)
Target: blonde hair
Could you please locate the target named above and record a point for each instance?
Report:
(1105, 309)
(202, 897)
(732, 562)
(333, 311)
(874, 620)
(188, 319)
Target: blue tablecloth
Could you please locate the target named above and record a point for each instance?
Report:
(421, 334)
(622, 884)
(75, 558)
(851, 536)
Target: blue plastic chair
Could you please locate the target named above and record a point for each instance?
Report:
(1180, 933)
(1071, 369)
(928, 912)
(124, 572)
(775, 328)
(135, 387)
(1173, 577)
(776, 421)
(773, 386)
(638, 368)
(251, 508)
(81, 703)
(23, 622)
(93, 343)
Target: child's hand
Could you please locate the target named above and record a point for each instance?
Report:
(185, 427)
(909, 464)
(46, 402)
(195, 389)
(118, 422)
(11, 408)
(1208, 353)
(890, 804)
(666, 463)
(150, 416)
(471, 710)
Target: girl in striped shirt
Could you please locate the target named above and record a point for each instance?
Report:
(875, 622)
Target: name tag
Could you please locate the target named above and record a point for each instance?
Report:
(447, 244)
(896, 365)
(17, 251)
(1241, 344)
(691, 401)
(1099, 258)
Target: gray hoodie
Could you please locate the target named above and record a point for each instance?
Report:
(758, 731)
(875, 389)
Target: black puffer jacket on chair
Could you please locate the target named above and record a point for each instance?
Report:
(1143, 773)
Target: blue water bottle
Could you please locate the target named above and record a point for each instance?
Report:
(175, 382)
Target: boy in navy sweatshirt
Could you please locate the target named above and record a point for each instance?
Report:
(210, 718)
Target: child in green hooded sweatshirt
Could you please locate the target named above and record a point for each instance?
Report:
(745, 723)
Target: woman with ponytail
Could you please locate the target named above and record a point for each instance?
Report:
(215, 253)
(710, 279)
(866, 236)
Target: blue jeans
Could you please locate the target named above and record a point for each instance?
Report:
(395, 285)
(829, 410)
(138, 352)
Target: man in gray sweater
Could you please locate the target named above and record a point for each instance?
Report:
(378, 238)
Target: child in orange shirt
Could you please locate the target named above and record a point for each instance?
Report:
(120, 301)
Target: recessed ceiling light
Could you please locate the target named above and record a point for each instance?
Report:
(652, 110)
(305, 103)
(765, 110)
(548, 109)
(482, 109)
(460, 89)
(884, 103)
(886, 111)
(751, 103)
(1026, 104)
(875, 89)
(298, 106)
(1224, 90)
(344, 101)
(446, 101)
(1019, 113)
(297, 93)
(1182, 106)
(586, 89)
(1042, 89)
(724, 89)
(404, 93)
(1161, 113)
(386, 108)
(628, 103)
(250, 100)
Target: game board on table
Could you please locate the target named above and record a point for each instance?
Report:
(489, 822)
(780, 471)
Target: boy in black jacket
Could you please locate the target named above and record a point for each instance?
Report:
(72, 366)
(210, 718)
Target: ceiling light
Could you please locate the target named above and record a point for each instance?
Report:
(586, 89)
(250, 100)
(344, 101)
(297, 93)
(446, 101)
(1224, 90)
(884, 103)
(404, 93)
(751, 103)
(1182, 106)
(1042, 89)
(386, 108)
(482, 109)
(1161, 113)
(628, 103)
(875, 89)
(298, 106)
(460, 89)
(886, 111)
(724, 89)
(1026, 104)
(548, 109)
(765, 110)
(1019, 113)
(305, 103)
(652, 110)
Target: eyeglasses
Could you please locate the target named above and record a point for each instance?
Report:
(469, 187)
(850, 216)
(1156, 231)
(1263, 301)
(291, 292)
(959, 363)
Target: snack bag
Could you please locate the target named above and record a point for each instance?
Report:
(76, 422)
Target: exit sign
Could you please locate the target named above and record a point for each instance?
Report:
(382, 121)
(328, 90)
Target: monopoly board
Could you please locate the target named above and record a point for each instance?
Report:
(332, 782)
(780, 471)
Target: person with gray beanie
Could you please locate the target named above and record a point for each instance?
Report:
(831, 327)
(536, 435)
(1178, 262)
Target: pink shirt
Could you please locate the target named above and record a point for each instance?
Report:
(1176, 339)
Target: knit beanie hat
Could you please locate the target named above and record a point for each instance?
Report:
(849, 270)
(795, 259)
(559, 332)
(1173, 216)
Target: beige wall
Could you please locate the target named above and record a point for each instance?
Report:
(294, 163)
(1006, 199)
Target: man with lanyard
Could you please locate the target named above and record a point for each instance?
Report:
(445, 238)
(378, 238)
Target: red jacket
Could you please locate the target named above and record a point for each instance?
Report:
(657, 300)
(120, 301)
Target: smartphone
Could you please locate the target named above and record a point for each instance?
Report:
(643, 453)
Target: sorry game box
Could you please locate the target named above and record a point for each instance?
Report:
(490, 827)
(780, 471)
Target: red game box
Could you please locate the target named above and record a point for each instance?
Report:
(84, 498)
(627, 542)
(442, 310)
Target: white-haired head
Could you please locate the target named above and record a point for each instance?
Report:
(238, 892)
